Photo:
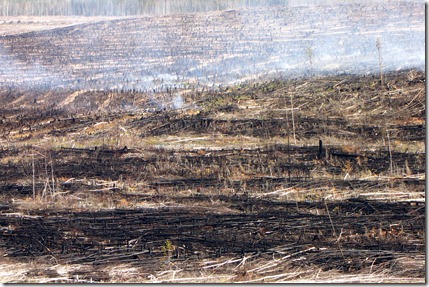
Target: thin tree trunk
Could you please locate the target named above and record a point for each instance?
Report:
(390, 153)
(380, 62)
(34, 179)
(52, 174)
(293, 120)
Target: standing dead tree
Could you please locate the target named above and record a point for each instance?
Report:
(48, 177)
(380, 61)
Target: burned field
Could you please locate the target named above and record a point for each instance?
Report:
(274, 242)
(218, 47)
(310, 180)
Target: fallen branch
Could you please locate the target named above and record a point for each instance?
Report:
(222, 263)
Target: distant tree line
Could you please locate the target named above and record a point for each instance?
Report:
(122, 7)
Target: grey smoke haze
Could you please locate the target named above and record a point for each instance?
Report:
(147, 53)
(15, 72)
(178, 102)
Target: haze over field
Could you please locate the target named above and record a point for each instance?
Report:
(222, 141)
(157, 48)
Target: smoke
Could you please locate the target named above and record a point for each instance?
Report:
(157, 53)
(20, 71)
(178, 102)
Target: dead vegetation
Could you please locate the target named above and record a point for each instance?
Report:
(310, 180)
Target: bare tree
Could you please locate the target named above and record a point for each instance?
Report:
(380, 62)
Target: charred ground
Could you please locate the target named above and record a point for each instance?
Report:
(232, 187)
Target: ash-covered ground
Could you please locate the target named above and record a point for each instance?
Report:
(127, 155)
(215, 48)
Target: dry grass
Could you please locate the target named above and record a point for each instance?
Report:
(247, 269)
(171, 152)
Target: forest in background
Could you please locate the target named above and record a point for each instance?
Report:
(140, 7)
(120, 7)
